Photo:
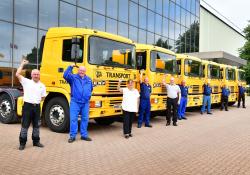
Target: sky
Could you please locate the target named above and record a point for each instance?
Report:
(237, 11)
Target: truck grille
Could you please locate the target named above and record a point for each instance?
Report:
(216, 89)
(112, 86)
(195, 89)
(115, 103)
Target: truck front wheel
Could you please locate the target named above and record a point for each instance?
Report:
(57, 114)
(6, 109)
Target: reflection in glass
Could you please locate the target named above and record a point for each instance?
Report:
(26, 12)
(143, 2)
(184, 3)
(142, 17)
(158, 24)
(67, 14)
(171, 29)
(151, 4)
(193, 68)
(177, 14)
(162, 62)
(48, 13)
(6, 10)
(165, 8)
(183, 17)
(70, 1)
(172, 10)
(133, 14)
(159, 6)
(6, 44)
(98, 22)
(123, 10)
(213, 71)
(84, 18)
(112, 6)
(99, 6)
(25, 39)
(151, 21)
(142, 36)
(177, 31)
(133, 34)
(150, 38)
(122, 29)
(41, 33)
(85, 4)
(193, 6)
(111, 53)
(165, 27)
(111, 25)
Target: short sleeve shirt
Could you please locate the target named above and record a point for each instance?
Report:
(33, 91)
(130, 99)
(173, 90)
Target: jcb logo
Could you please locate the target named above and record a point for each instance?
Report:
(98, 74)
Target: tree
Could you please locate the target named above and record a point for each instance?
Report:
(245, 52)
(163, 44)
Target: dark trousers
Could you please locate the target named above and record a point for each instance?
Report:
(224, 102)
(30, 113)
(128, 118)
(171, 104)
(241, 97)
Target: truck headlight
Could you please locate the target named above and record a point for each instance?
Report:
(98, 104)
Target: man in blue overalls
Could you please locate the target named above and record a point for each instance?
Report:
(224, 97)
(183, 103)
(241, 96)
(207, 90)
(145, 106)
(81, 90)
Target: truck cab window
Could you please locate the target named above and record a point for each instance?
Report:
(66, 54)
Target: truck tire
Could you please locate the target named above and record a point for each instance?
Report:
(57, 114)
(6, 109)
(105, 121)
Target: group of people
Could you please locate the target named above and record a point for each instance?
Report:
(132, 102)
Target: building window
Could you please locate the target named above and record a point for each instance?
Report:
(151, 4)
(112, 8)
(67, 14)
(6, 45)
(165, 27)
(111, 25)
(171, 29)
(150, 38)
(159, 6)
(123, 29)
(25, 43)
(98, 22)
(142, 36)
(123, 10)
(87, 4)
(84, 18)
(6, 10)
(133, 14)
(165, 8)
(48, 14)
(133, 33)
(151, 21)
(158, 24)
(172, 11)
(99, 6)
(26, 12)
(178, 14)
(143, 2)
(71, 1)
(142, 17)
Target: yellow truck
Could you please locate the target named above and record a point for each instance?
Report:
(190, 69)
(228, 74)
(107, 58)
(214, 76)
(155, 62)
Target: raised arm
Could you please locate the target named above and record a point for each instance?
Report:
(141, 74)
(68, 74)
(119, 86)
(20, 68)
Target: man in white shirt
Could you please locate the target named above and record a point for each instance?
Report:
(173, 99)
(34, 92)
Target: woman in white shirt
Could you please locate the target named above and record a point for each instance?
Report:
(130, 105)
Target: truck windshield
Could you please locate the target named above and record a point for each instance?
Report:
(162, 62)
(107, 52)
(213, 71)
(242, 76)
(193, 68)
(230, 74)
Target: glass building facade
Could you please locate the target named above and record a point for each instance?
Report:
(173, 24)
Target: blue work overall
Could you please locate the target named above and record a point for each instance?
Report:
(183, 103)
(145, 106)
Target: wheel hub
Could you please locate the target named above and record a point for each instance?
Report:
(5, 108)
(56, 115)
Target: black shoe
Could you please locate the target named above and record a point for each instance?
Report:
(86, 138)
(71, 140)
(238, 107)
(168, 123)
(175, 124)
(179, 118)
(226, 110)
(184, 118)
(126, 136)
(21, 147)
(244, 106)
(38, 145)
(130, 135)
(201, 113)
(148, 126)
(138, 126)
(209, 113)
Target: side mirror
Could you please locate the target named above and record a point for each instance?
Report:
(75, 48)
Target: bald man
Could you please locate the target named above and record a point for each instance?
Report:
(207, 91)
(183, 103)
(173, 99)
(81, 90)
(34, 92)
